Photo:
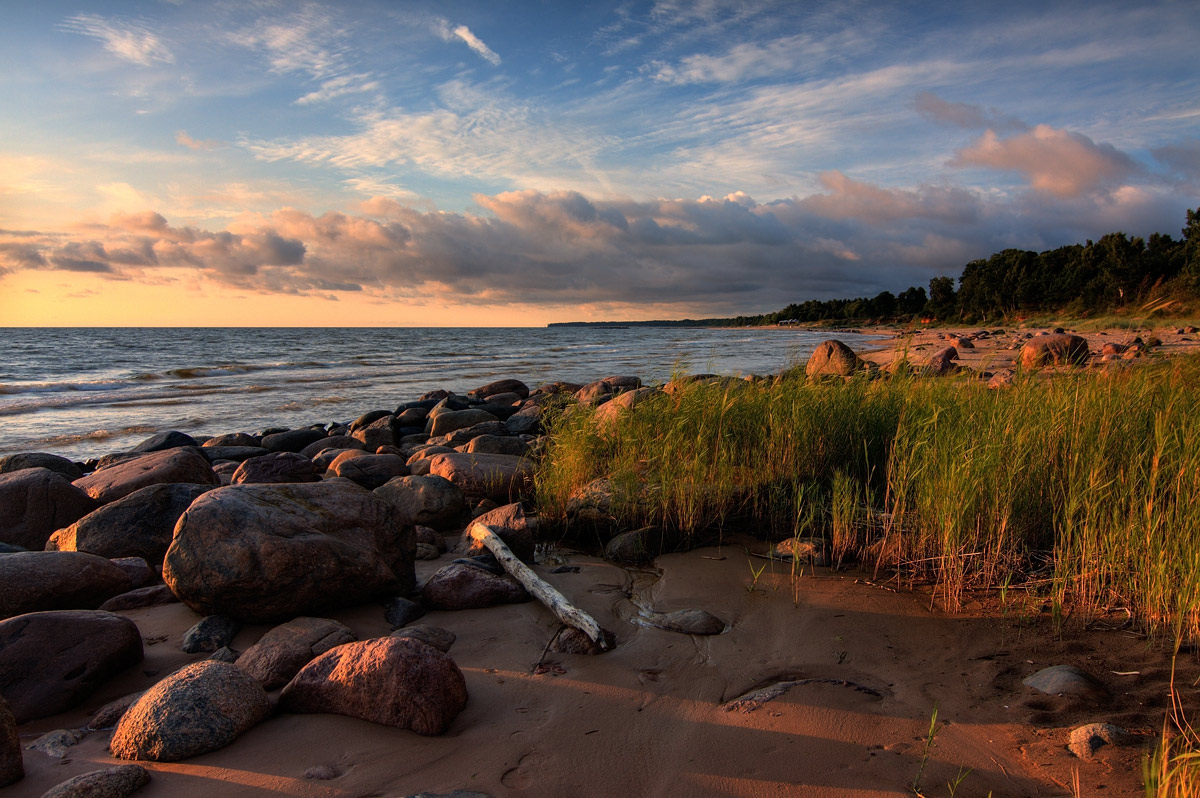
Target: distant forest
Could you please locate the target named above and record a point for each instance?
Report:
(1105, 276)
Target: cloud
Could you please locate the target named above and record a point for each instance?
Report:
(473, 41)
(1056, 162)
(848, 198)
(964, 115)
(338, 87)
(128, 40)
(182, 137)
(1183, 157)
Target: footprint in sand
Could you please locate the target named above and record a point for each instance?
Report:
(522, 776)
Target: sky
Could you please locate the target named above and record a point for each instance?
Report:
(452, 163)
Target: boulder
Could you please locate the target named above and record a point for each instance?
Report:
(526, 421)
(108, 716)
(393, 681)
(199, 708)
(36, 501)
(500, 477)
(381, 432)
(499, 387)
(514, 526)
(172, 439)
(12, 763)
(234, 454)
(1067, 680)
(152, 596)
(832, 359)
(431, 501)
(325, 458)
(31, 581)
(638, 546)
(436, 636)
(58, 743)
(138, 525)
(209, 634)
(233, 439)
(138, 570)
(595, 393)
(282, 652)
(263, 552)
(371, 470)
(332, 442)
(51, 661)
(115, 782)
(1085, 741)
(688, 622)
(1054, 349)
(292, 440)
(497, 444)
(276, 468)
(459, 586)
(450, 420)
(400, 611)
(184, 464)
(51, 462)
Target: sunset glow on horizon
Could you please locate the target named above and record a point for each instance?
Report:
(471, 164)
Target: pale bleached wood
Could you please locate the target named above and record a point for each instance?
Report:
(556, 602)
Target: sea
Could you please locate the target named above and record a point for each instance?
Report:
(85, 392)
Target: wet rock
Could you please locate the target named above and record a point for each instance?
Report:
(171, 439)
(32, 581)
(400, 611)
(265, 552)
(51, 462)
(463, 587)
(436, 636)
(832, 359)
(185, 464)
(58, 743)
(138, 525)
(115, 782)
(292, 440)
(688, 622)
(1054, 349)
(210, 634)
(1067, 680)
(12, 763)
(512, 524)
(426, 501)
(51, 661)
(36, 501)
(393, 681)
(500, 477)
(152, 596)
(1085, 741)
(573, 641)
(199, 708)
(284, 650)
(371, 470)
(275, 468)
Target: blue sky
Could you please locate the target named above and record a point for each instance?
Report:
(511, 163)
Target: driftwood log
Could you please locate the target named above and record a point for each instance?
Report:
(556, 602)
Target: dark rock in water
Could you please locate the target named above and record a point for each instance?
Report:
(199, 708)
(1055, 349)
(1085, 741)
(138, 525)
(12, 763)
(425, 500)
(57, 580)
(138, 570)
(512, 524)
(115, 782)
(371, 470)
(393, 681)
(152, 596)
(573, 641)
(436, 636)
(500, 387)
(293, 440)
(400, 611)
(688, 622)
(332, 442)
(234, 453)
(51, 661)
(51, 462)
(284, 650)
(184, 464)
(58, 743)
(500, 477)
(165, 440)
(276, 468)
(463, 587)
(210, 634)
(832, 359)
(265, 552)
(107, 716)
(233, 439)
(1067, 680)
(36, 501)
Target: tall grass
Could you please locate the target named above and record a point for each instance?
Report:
(1089, 481)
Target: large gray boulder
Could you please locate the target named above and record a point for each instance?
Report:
(138, 525)
(36, 501)
(832, 359)
(199, 708)
(183, 464)
(500, 477)
(1054, 349)
(370, 470)
(275, 468)
(282, 652)
(31, 581)
(393, 681)
(448, 421)
(51, 661)
(260, 553)
(428, 500)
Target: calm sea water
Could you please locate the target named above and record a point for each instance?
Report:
(86, 392)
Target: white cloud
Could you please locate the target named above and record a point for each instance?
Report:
(474, 42)
(200, 145)
(130, 41)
